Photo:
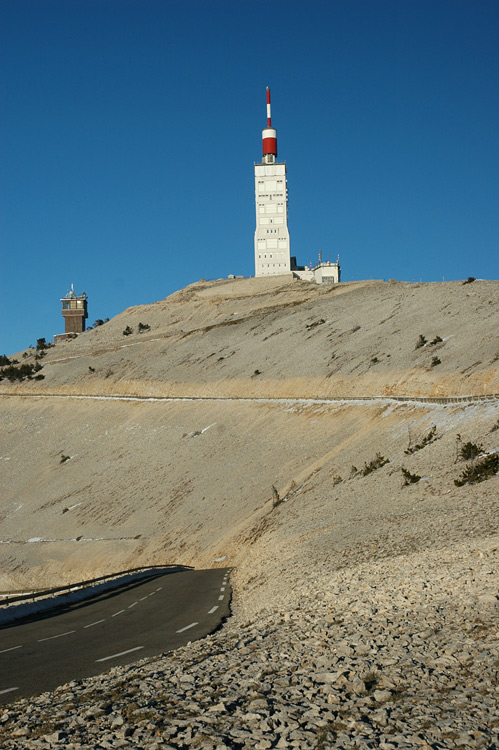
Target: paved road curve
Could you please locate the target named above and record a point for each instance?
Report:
(141, 619)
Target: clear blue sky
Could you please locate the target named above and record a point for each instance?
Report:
(129, 129)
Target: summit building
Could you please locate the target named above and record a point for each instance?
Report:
(272, 252)
(272, 246)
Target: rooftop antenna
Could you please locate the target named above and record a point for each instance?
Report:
(269, 137)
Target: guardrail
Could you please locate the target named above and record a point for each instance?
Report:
(19, 596)
(322, 399)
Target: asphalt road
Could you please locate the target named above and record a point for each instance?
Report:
(141, 619)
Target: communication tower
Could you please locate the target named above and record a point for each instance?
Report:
(272, 250)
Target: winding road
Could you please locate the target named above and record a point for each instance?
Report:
(141, 619)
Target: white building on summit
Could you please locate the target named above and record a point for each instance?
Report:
(272, 247)
(272, 254)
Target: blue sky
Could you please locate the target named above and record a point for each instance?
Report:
(129, 130)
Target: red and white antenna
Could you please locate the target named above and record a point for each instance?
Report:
(269, 134)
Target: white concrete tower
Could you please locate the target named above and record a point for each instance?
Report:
(272, 253)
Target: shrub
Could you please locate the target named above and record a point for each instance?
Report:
(127, 331)
(4, 360)
(408, 477)
(420, 342)
(64, 459)
(98, 323)
(480, 471)
(469, 280)
(23, 372)
(315, 323)
(42, 344)
(92, 369)
(470, 450)
(375, 464)
(276, 500)
(436, 340)
(430, 437)
(435, 361)
(144, 327)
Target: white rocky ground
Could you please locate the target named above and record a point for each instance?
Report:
(400, 653)
(365, 611)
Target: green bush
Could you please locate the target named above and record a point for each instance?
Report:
(408, 477)
(430, 437)
(470, 450)
(127, 331)
(42, 344)
(276, 500)
(420, 342)
(375, 464)
(23, 372)
(480, 471)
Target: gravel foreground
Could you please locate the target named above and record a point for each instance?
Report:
(400, 653)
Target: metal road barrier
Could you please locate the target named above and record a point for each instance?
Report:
(19, 596)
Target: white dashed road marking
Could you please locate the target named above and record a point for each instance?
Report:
(213, 609)
(121, 653)
(220, 597)
(132, 605)
(94, 623)
(187, 627)
(118, 613)
(8, 690)
(10, 649)
(223, 588)
(51, 638)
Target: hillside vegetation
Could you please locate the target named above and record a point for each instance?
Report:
(252, 424)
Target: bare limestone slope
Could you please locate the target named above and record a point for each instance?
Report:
(269, 337)
(365, 608)
(180, 481)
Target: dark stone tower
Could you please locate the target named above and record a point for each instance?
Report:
(74, 311)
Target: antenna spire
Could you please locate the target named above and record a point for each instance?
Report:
(269, 137)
